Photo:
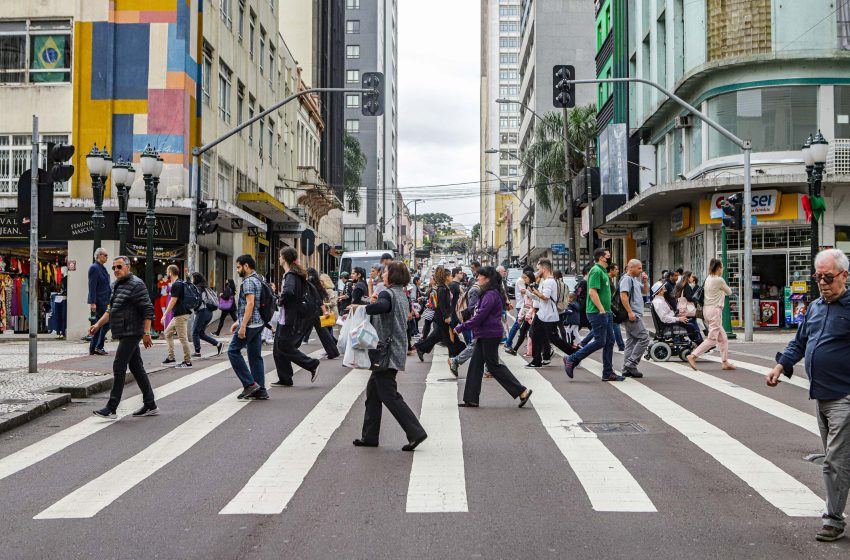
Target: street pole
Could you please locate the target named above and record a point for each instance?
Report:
(33, 291)
(123, 195)
(571, 236)
(415, 231)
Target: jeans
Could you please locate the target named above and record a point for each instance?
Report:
(464, 356)
(512, 333)
(602, 329)
(637, 339)
(98, 338)
(128, 354)
(178, 324)
(253, 341)
(618, 336)
(834, 423)
(203, 317)
(382, 390)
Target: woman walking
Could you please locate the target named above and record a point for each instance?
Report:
(226, 304)
(715, 292)
(525, 315)
(331, 303)
(442, 319)
(203, 316)
(389, 317)
(486, 325)
(287, 338)
(325, 337)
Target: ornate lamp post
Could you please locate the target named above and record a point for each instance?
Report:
(815, 151)
(99, 165)
(150, 173)
(120, 175)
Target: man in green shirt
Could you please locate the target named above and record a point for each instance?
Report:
(601, 322)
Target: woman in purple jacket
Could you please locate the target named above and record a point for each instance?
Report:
(486, 327)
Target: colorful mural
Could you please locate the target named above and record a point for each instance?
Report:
(136, 82)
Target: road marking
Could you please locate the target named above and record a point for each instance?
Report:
(775, 485)
(437, 479)
(795, 380)
(55, 443)
(90, 499)
(278, 479)
(608, 484)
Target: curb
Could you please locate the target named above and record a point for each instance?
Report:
(33, 411)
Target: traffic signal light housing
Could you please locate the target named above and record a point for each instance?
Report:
(206, 219)
(733, 211)
(563, 93)
(58, 168)
(373, 101)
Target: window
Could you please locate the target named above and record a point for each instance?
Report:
(352, 4)
(352, 51)
(251, 102)
(508, 91)
(206, 170)
(352, 126)
(661, 166)
(508, 27)
(224, 10)
(206, 75)
(775, 118)
(15, 156)
(271, 140)
(354, 239)
(352, 76)
(508, 75)
(241, 20)
(262, 50)
(508, 11)
(842, 111)
(352, 26)
(509, 43)
(352, 101)
(240, 102)
(508, 58)
(696, 144)
(508, 108)
(508, 122)
(252, 24)
(225, 179)
(350, 204)
(224, 85)
(260, 136)
(271, 64)
(35, 51)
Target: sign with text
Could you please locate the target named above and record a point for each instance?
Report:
(165, 228)
(763, 203)
(613, 156)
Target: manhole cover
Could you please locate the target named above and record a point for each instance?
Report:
(816, 458)
(613, 427)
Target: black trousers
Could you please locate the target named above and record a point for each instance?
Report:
(426, 328)
(326, 338)
(383, 390)
(543, 336)
(487, 353)
(440, 332)
(224, 314)
(128, 354)
(286, 353)
(523, 332)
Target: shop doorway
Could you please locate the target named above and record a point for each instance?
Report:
(770, 276)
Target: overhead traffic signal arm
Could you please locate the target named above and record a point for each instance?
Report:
(563, 92)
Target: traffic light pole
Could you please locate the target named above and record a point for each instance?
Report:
(746, 149)
(33, 285)
(571, 237)
(195, 190)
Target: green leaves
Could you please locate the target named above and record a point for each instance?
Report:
(354, 163)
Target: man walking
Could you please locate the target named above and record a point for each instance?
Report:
(247, 332)
(180, 320)
(824, 331)
(544, 329)
(131, 313)
(98, 298)
(599, 317)
(634, 285)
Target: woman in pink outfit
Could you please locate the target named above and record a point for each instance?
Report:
(715, 291)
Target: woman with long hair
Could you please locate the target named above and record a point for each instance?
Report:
(429, 303)
(486, 325)
(714, 299)
(325, 337)
(442, 319)
(389, 317)
(203, 316)
(289, 332)
(332, 300)
(226, 304)
(684, 306)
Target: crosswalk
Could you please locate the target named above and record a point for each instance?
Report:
(438, 473)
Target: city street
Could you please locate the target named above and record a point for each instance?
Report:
(707, 464)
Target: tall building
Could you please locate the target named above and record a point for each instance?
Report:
(551, 32)
(371, 44)
(771, 72)
(500, 168)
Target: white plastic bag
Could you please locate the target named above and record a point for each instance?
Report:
(353, 318)
(364, 336)
(356, 358)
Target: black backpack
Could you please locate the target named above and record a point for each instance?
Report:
(268, 302)
(191, 296)
(309, 307)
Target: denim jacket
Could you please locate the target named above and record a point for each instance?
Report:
(823, 339)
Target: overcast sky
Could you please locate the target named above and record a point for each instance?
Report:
(439, 52)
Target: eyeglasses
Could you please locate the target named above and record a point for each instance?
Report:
(827, 278)
(117, 266)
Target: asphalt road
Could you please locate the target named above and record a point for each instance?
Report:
(717, 472)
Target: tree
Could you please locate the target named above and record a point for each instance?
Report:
(354, 163)
(543, 159)
(440, 222)
(476, 234)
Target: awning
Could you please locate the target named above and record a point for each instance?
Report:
(264, 204)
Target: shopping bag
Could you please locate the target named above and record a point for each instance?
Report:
(356, 358)
(364, 336)
(345, 331)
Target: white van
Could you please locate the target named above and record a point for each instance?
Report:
(363, 259)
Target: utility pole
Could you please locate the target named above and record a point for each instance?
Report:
(33, 285)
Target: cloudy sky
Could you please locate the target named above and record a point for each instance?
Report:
(439, 53)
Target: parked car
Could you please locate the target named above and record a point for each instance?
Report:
(513, 275)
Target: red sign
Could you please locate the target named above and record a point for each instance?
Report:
(72, 265)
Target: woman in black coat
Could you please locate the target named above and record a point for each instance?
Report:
(227, 295)
(442, 319)
(325, 337)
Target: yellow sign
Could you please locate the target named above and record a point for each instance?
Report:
(789, 209)
(799, 287)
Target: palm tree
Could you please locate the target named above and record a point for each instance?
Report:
(354, 163)
(543, 159)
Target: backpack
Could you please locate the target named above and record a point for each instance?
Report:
(620, 315)
(699, 294)
(462, 308)
(210, 299)
(268, 301)
(563, 297)
(308, 309)
(191, 296)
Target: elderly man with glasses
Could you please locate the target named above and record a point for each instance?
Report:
(825, 331)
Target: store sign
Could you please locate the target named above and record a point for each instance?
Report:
(72, 266)
(800, 287)
(680, 219)
(585, 221)
(613, 155)
(10, 228)
(165, 228)
(764, 203)
(159, 252)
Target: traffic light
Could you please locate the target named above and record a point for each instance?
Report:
(206, 219)
(563, 93)
(58, 168)
(733, 211)
(373, 101)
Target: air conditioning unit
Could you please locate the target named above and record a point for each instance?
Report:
(685, 121)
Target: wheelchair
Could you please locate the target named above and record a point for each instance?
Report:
(669, 340)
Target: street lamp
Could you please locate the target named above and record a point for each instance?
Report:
(120, 176)
(151, 168)
(815, 151)
(99, 165)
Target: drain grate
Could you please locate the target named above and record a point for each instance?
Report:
(613, 427)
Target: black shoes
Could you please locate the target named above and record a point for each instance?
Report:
(510, 351)
(147, 410)
(420, 354)
(632, 373)
(363, 443)
(169, 361)
(613, 377)
(184, 365)
(105, 413)
(249, 391)
(453, 367)
(465, 404)
(828, 533)
(98, 352)
(261, 395)
(412, 444)
(314, 373)
(524, 400)
(281, 384)
(218, 349)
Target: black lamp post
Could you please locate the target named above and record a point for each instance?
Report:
(151, 168)
(815, 151)
(123, 176)
(99, 165)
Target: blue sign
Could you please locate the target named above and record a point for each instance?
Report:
(559, 249)
(716, 213)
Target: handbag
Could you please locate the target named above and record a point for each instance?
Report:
(225, 304)
(379, 357)
(328, 320)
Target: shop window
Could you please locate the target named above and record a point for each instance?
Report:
(842, 238)
(842, 111)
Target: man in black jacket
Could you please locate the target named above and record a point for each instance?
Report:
(129, 316)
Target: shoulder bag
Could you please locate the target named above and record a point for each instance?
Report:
(379, 358)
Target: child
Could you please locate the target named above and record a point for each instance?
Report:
(573, 320)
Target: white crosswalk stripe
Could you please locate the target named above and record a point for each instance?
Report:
(775, 485)
(437, 480)
(608, 484)
(795, 380)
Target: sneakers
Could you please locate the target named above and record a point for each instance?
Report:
(261, 395)
(546, 362)
(147, 410)
(453, 367)
(568, 367)
(99, 352)
(169, 361)
(196, 355)
(218, 349)
(249, 391)
(828, 533)
(632, 373)
(510, 351)
(280, 384)
(184, 365)
(105, 413)
(532, 365)
(613, 377)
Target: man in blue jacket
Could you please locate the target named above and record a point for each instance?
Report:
(100, 292)
(823, 341)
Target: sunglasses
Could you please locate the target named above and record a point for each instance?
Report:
(117, 266)
(826, 278)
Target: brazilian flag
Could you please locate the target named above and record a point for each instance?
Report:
(48, 53)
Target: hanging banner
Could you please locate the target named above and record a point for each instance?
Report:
(613, 156)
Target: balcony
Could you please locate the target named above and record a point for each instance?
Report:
(605, 52)
(314, 194)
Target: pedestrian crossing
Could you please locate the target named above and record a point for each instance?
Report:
(438, 473)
